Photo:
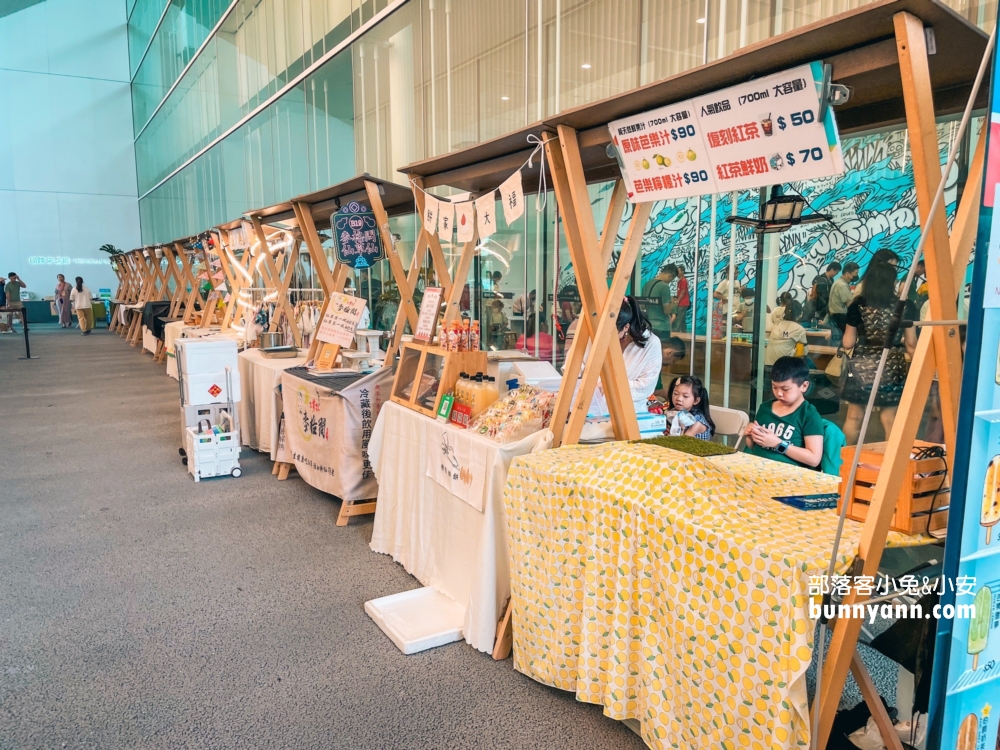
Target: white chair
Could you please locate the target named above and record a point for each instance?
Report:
(729, 422)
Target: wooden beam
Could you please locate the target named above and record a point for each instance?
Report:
(570, 187)
(870, 693)
(606, 336)
(896, 463)
(406, 304)
(922, 127)
(612, 221)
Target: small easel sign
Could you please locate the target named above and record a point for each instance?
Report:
(430, 307)
(336, 330)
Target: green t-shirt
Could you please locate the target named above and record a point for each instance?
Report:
(658, 288)
(794, 428)
(13, 291)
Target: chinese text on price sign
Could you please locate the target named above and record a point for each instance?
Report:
(341, 319)
(760, 133)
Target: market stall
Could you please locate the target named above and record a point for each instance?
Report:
(299, 296)
(328, 421)
(880, 52)
(260, 409)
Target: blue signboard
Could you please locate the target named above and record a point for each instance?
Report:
(965, 704)
(356, 238)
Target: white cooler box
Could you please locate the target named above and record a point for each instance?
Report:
(196, 356)
(202, 365)
(210, 388)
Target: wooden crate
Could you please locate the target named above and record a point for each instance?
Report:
(926, 486)
(419, 360)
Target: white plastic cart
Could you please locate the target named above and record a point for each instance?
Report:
(209, 384)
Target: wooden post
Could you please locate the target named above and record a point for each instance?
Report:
(914, 398)
(570, 187)
(918, 99)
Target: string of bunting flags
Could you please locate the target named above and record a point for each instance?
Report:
(446, 218)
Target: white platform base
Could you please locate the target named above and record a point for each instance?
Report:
(418, 620)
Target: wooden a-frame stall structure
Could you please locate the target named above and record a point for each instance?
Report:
(880, 52)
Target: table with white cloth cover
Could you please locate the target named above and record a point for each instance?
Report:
(260, 409)
(439, 537)
(328, 427)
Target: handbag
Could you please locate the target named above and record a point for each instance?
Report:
(836, 369)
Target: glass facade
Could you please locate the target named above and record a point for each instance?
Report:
(316, 91)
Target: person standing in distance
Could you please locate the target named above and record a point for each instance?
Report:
(80, 297)
(13, 289)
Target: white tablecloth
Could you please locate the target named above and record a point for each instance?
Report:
(260, 408)
(439, 538)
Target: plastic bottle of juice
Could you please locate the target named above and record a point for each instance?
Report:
(477, 394)
(492, 392)
(460, 386)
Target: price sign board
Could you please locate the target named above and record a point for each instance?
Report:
(664, 154)
(341, 319)
(356, 239)
(759, 133)
(430, 305)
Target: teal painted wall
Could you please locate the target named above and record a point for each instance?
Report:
(67, 163)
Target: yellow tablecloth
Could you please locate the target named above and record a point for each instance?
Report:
(670, 589)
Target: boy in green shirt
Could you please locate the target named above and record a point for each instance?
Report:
(788, 429)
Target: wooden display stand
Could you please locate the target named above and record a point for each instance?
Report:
(922, 505)
(938, 350)
(591, 256)
(417, 361)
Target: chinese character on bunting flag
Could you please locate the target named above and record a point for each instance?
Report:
(485, 215)
(464, 221)
(512, 197)
(446, 218)
(430, 213)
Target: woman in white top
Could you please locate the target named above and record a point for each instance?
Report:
(786, 334)
(80, 299)
(643, 356)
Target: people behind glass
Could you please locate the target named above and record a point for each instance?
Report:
(720, 306)
(818, 298)
(744, 314)
(867, 326)
(682, 301)
(524, 305)
(496, 324)
(661, 314)
(538, 345)
(491, 284)
(787, 337)
(841, 294)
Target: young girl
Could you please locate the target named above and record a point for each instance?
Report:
(689, 412)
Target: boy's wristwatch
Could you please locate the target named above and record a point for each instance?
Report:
(782, 446)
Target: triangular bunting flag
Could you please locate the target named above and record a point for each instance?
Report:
(446, 220)
(430, 213)
(464, 218)
(512, 198)
(486, 215)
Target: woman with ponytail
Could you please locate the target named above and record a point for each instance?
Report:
(643, 357)
(80, 297)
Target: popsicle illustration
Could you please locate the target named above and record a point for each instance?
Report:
(991, 498)
(968, 733)
(979, 628)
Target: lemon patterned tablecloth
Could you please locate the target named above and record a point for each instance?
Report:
(670, 589)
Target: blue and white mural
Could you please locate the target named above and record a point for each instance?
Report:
(873, 205)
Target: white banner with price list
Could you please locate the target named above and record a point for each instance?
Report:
(759, 133)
